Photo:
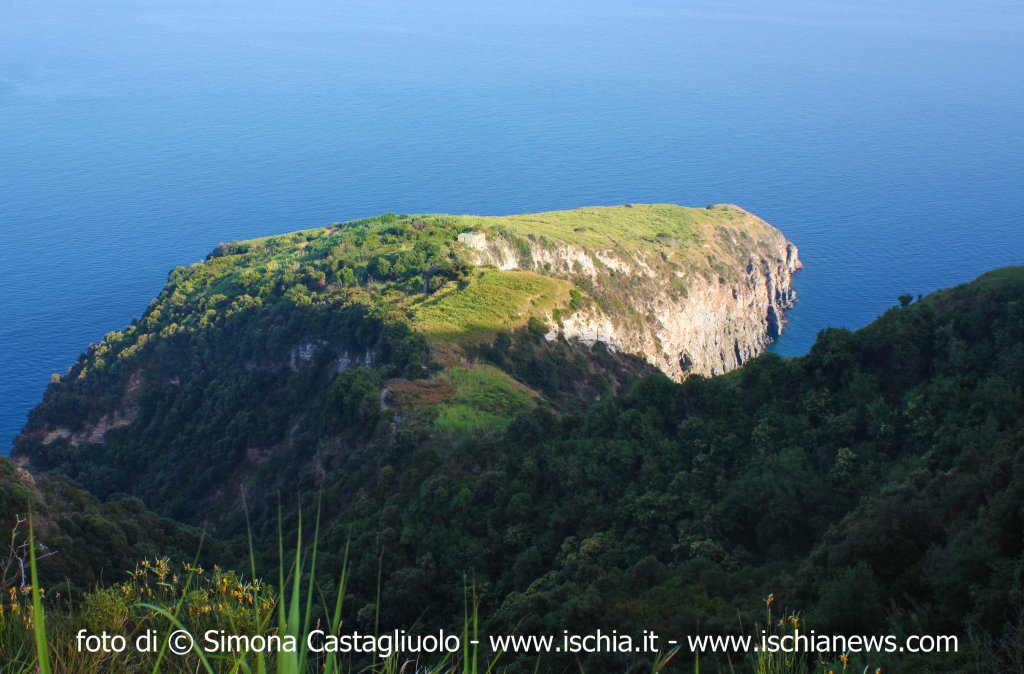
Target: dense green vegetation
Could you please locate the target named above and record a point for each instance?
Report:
(88, 542)
(875, 485)
(233, 365)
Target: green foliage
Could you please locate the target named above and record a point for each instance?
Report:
(489, 301)
(875, 483)
(224, 396)
(571, 376)
(483, 402)
(89, 541)
(353, 403)
(489, 389)
(646, 226)
(878, 480)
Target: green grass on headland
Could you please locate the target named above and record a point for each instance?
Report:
(485, 400)
(488, 302)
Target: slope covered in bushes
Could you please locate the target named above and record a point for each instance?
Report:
(875, 484)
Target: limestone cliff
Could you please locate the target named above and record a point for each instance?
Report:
(700, 301)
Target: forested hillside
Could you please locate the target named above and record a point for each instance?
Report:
(874, 485)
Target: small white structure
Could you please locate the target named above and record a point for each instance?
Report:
(473, 239)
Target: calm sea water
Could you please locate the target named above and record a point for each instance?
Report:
(884, 138)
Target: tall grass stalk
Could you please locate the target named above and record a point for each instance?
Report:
(38, 617)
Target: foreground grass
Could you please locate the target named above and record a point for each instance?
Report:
(36, 642)
(159, 597)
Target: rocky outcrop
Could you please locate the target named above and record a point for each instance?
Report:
(96, 433)
(715, 328)
(722, 304)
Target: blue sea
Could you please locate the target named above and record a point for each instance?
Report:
(883, 137)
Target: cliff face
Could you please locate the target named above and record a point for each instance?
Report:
(715, 328)
(709, 315)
